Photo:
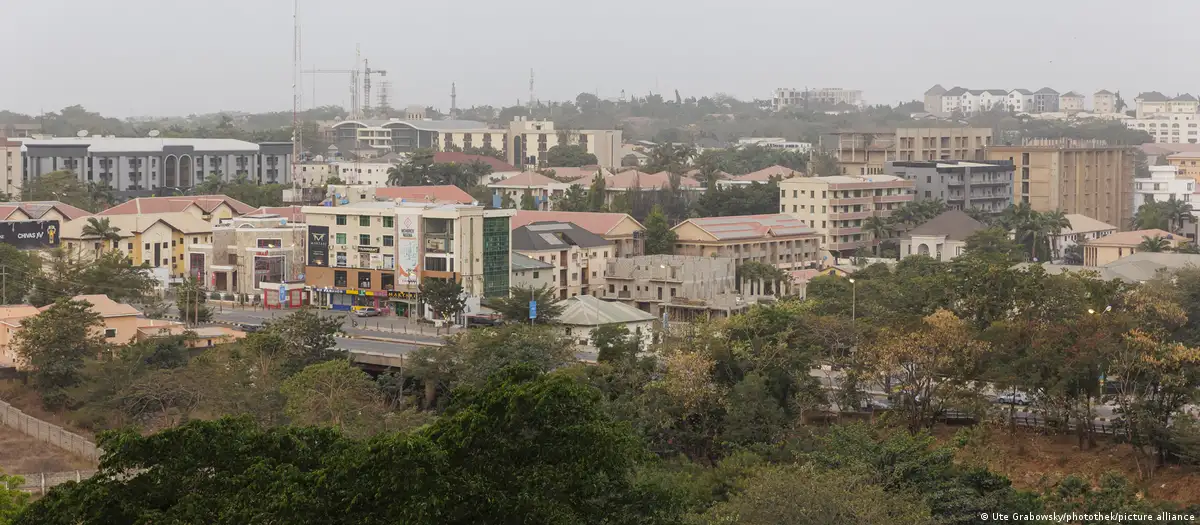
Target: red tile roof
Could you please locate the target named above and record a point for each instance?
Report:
(463, 158)
(445, 193)
(36, 209)
(765, 174)
(645, 181)
(751, 226)
(583, 173)
(291, 213)
(173, 204)
(597, 223)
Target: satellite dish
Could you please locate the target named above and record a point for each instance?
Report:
(153, 133)
(82, 133)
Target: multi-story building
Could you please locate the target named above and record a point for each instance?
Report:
(1045, 100)
(1071, 102)
(314, 174)
(157, 240)
(12, 168)
(1187, 163)
(578, 256)
(378, 253)
(531, 273)
(541, 188)
(837, 207)
(403, 136)
(1087, 177)
(1083, 229)
(625, 232)
(1099, 252)
(141, 166)
(781, 240)
(1020, 100)
(1164, 184)
(684, 287)
(247, 251)
(528, 141)
(348, 195)
(791, 97)
(618, 185)
(974, 101)
(213, 209)
(962, 185)
(1169, 128)
(1104, 102)
(941, 143)
(1154, 104)
(862, 153)
(933, 99)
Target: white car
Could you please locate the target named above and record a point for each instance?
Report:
(1014, 398)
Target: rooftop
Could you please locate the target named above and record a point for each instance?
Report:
(1104, 92)
(1133, 268)
(750, 226)
(127, 225)
(103, 306)
(586, 310)
(523, 180)
(444, 193)
(144, 144)
(207, 203)
(955, 225)
(1151, 96)
(1083, 223)
(554, 235)
(36, 209)
(291, 213)
(765, 174)
(498, 166)
(1133, 238)
(648, 181)
(522, 262)
(595, 222)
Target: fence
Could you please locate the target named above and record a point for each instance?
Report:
(44, 481)
(43, 431)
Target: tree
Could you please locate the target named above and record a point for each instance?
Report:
(101, 228)
(309, 339)
(1178, 213)
(574, 199)
(111, 274)
(596, 193)
(570, 156)
(416, 171)
(23, 269)
(824, 164)
(192, 301)
(753, 199)
(515, 307)
(879, 228)
(1073, 254)
(444, 296)
(994, 243)
(659, 237)
(12, 499)
(527, 201)
(1151, 216)
(805, 495)
(931, 366)
(1154, 244)
(614, 343)
(334, 393)
(55, 344)
(63, 186)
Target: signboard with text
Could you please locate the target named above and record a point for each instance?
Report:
(318, 245)
(408, 249)
(30, 235)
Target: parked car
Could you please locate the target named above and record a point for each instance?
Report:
(367, 311)
(483, 320)
(250, 327)
(1013, 398)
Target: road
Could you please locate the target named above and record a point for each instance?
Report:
(382, 327)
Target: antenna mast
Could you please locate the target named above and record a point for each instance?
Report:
(453, 100)
(296, 90)
(531, 88)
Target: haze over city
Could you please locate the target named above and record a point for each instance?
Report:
(148, 57)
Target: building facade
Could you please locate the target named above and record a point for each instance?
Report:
(791, 97)
(247, 251)
(684, 287)
(377, 254)
(1087, 177)
(859, 153)
(531, 273)
(1164, 184)
(942, 143)
(1071, 102)
(1099, 252)
(780, 240)
(12, 168)
(1020, 100)
(962, 185)
(1104, 102)
(404, 136)
(1169, 128)
(141, 166)
(943, 238)
(625, 232)
(577, 255)
(1187, 163)
(529, 140)
(157, 241)
(837, 207)
(1046, 100)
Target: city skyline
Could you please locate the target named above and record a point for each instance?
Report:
(151, 59)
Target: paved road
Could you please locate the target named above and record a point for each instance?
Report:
(367, 345)
(385, 327)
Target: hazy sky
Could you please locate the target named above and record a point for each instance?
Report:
(175, 57)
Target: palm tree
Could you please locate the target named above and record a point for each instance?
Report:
(1154, 244)
(880, 229)
(1015, 216)
(1055, 222)
(1177, 212)
(102, 229)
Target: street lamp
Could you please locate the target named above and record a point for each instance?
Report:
(853, 301)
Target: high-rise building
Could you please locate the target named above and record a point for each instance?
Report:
(1088, 177)
(837, 207)
(962, 185)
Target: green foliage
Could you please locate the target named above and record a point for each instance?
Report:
(308, 338)
(12, 499)
(659, 237)
(747, 159)
(243, 189)
(596, 194)
(994, 243)
(100, 228)
(527, 202)
(738, 200)
(421, 170)
(569, 156)
(192, 301)
(515, 307)
(23, 269)
(614, 343)
(64, 186)
(445, 296)
(111, 274)
(334, 393)
(1158, 243)
(574, 199)
(55, 344)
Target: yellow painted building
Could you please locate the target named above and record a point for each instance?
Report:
(1099, 252)
(157, 240)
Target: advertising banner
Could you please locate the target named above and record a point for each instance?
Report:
(408, 247)
(30, 235)
(318, 246)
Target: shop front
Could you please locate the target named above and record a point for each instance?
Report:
(347, 288)
(404, 303)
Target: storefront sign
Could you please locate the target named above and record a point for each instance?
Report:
(27, 235)
(368, 249)
(318, 246)
(399, 294)
(408, 248)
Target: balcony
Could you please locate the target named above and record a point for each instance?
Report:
(991, 181)
(849, 216)
(845, 231)
(848, 245)
(852, 201)
(624, 294)
(883, 199)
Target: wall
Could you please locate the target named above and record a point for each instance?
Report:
(43, 431)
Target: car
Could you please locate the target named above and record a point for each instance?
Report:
(483, 320)
(1013, 398)
(250, 327)
(367, 312)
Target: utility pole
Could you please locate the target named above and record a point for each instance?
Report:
(453, 99)
(530, 89)
(4, 280)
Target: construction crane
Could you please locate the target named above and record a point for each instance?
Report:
(367, 72)
(355, 109)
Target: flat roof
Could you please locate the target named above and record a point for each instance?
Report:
(148, 144)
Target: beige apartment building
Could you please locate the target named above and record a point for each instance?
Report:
(1187, 164)
(838, 206)
(578, 256)
(860, 153)
(777, 239)
(942, 143)
(528, 141)
(1099, 252)
(12, 168)
(1087, 177)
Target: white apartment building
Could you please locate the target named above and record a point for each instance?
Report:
(980, 100)
(1104, 102)
(11, 168)
(529, 140)
(1154, 104)
(404, 136)
(1164, 184)
(1169, 128)
(1020, 100)
(837, 206)
(147, 164)
(792, 97)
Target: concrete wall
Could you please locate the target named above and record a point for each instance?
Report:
(46, 432)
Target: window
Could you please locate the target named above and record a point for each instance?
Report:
(339, 278)
(388, 240)
(110, 332)
(364, 239)
(340, 238)
(364, 220)
(387, 222)
(131, 247)
(364, 280)
(341, 220)
(535, 275)
(340, 259)
(164, 244)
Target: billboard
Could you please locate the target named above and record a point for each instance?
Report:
(30, 235)
(408, 249)
(318, 246)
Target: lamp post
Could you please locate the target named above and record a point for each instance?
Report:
(853, 301)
